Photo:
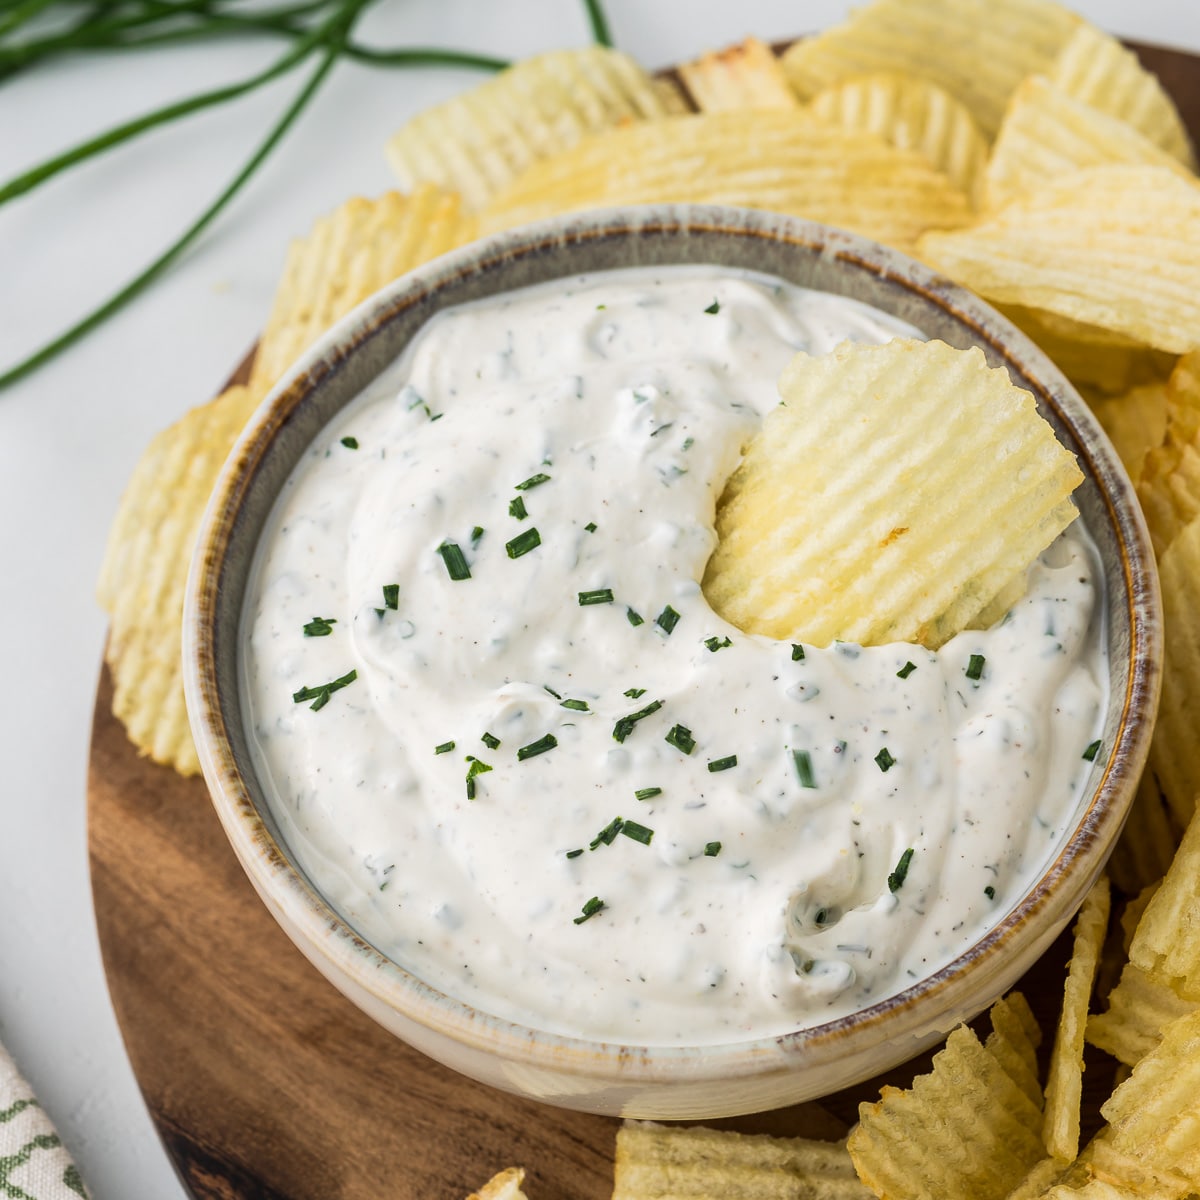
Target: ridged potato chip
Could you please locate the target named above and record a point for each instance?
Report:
(1155, 1113)
(1135, 421)
(912, 114)
(1064, 1081)
(1117, 247)
(1040, 1177)
(1105, 366)
(746, 76)
(349, 255)
(1013, 1043)
(978, 50)
(1169, 484)
(1103, 1172)
(1174, 750)
(930, 1140)
(480, 140)
(787, 162)
(1047, 132)
(1139, 1009)
(1166, 944)
(922, 518)
(505, 1185)
(1094, 67)
(674, 1161)
(145, 572)
(1147, 843)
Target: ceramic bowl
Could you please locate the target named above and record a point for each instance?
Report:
(677, 1082)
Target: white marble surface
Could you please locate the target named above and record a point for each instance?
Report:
(70, 434)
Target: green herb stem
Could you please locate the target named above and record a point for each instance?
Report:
(335, 33)
(601, 34)
(23, 12)
(30, 179)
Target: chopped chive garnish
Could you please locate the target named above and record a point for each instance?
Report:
(716, 643)
(516, 508)
(596, 596)
(547, 688)
(906, 670)
(635, 619)
(532, 482)
(639, 833)
(797, 652)
(885, 759)
(576, 705)
(539, 747)
(574, 853)
(456, 563)
(712, 849)
(320, 695)
(667, 619)
(1090, 753)
(626, 725)
(591, 527)
(351, 443)
(381, 613)
(391, 596)
(320, 627)
(722, 764)
(990, 892)
(476, 534)
(477, 767)
(681, 738)
(444, 748)
(635, 693)
(590, 909)
(713, 308)
(897, 877)
(523, 543)
(647, 793)
(975, 666)
(804, 768)
(490, 741)
(608, 834)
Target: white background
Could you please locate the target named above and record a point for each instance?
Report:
(70, 435)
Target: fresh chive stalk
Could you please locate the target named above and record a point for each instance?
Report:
(523, 543)
(680, 736)
(539, 747)
(596, 596)
(590, 909)
(320, 695)
(639, 833)
(667, 619)
(455, 560)
(900, 874)
(626, 725)
(804, 768)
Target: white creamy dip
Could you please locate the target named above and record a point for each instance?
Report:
(771, 794)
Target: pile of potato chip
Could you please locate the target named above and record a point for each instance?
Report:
(1014, 147)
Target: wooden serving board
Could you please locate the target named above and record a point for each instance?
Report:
(266, 1084)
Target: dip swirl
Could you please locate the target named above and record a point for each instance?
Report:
(509, 740)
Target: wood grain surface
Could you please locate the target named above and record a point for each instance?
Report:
(266, 1084)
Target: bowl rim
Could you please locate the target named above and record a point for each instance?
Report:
(1055, 895)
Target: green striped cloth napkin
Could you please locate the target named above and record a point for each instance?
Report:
(33, 1163)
